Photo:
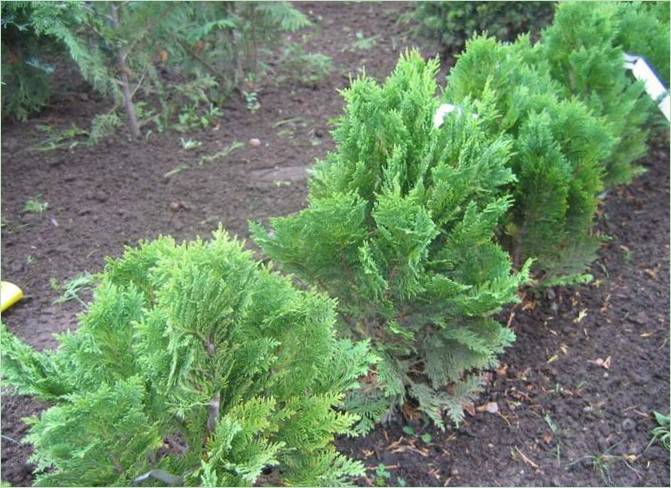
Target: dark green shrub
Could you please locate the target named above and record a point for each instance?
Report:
(559, 150)
(26, 57)
(399, 228)
(194, 366)
(583, 51)
(644, 31)
(452, 23)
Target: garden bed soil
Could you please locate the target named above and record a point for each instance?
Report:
(571, 402)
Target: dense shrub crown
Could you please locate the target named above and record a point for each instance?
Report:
(644, 30)
(559, 149)
(584, 55)
(451, 23)
(197, 365)
(399, 227)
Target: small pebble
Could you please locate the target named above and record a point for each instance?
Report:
(254, 142)
(628, 424)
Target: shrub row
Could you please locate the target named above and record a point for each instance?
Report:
(423, 233)
(193, 365)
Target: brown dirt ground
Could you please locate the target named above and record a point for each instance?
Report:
(562, 418)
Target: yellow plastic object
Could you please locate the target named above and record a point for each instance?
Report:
(9, 295)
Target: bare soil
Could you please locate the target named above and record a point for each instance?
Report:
(575, 392)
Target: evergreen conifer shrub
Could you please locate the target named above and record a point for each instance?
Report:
(453, 23)
(399, 227)
(192, 366)
(584, 53)
(644, 31)
(26, 58)
(559, 152)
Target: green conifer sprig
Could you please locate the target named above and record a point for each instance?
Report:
(192, 366)
(399, 227)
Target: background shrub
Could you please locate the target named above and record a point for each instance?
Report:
(452, 23)
(559, 153)
(644, 31)
(399, 228)
(193, 366)
(26, 60)
(180, 59)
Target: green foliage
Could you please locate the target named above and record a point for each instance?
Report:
(362, 43)
(60, 139)
(307, 68)
(192, 364)
(559, 152)
(452, 23)
(399, 228)
(382, 476)
(71, 289)
(662, 433)
(35, 205)
(170, 55)
(104, 125)
(583, 51)
(26, 64)
(644, 31)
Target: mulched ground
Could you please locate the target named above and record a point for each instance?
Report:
(573, 395)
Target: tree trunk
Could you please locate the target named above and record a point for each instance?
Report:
(133, 125)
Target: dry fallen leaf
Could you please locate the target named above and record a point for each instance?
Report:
(469, 409)
(410, 412)
(502, 370)
(490, 407)
(581, 315)
(604, 308)
(526, 459)
(604, 363)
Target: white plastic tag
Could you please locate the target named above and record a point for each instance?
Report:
(653, 86)
(443, 110)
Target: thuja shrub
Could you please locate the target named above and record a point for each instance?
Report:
(643, 30)
(559, 153)
(26, 69)
(452, 23)
(584, 55)
(192, 366)
(399, 227)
